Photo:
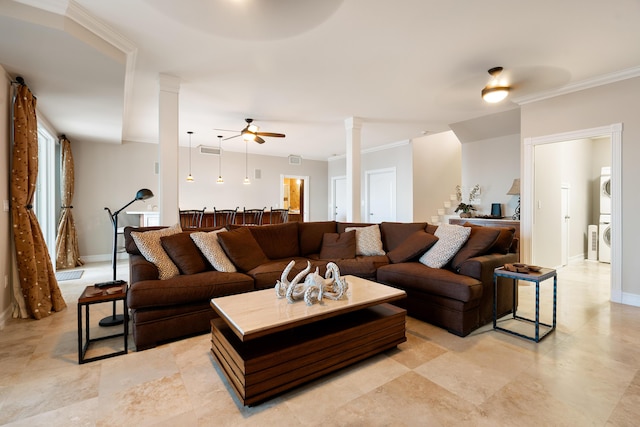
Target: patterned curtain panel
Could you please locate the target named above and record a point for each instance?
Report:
(35, 271)
(67, 253)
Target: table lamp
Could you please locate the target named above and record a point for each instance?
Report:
(515, 191)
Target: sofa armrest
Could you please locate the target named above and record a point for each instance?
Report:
(140, 269)
(481, 267)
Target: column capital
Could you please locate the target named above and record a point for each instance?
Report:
(169, 83)
(353, 123)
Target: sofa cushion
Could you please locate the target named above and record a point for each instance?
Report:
(435, 281)
(503, 243)
(368, 240)
(242, 248)
(412, 247)
(394, 233)
(361, 266)
(278, 240)
(184, 253)
(450, 240)
(150, 247)
(266, 274)
(341, 227)
(210, 246)
(187, 289)
(338, 245)
(479, 242)
(311, 233)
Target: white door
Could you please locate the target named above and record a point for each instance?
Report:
(565, 218)
(339, 199)
(381, 195)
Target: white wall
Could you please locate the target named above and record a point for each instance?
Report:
(5, 241)
(493, 164)
(436, 172)
(396, 156)
(601, 106)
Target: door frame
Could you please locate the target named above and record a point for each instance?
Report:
(367, 200)
(614, 131)
(307, 192)
(332, 204)
(565, 245)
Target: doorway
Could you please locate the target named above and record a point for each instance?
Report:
(294, 196)
(529, 203)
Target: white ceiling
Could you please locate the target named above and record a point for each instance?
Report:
(301, 67)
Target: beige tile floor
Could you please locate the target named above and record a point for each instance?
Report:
(585, 373)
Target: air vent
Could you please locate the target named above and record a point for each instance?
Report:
(209, 150)
(295, 160)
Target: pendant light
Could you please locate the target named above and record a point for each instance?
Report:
(220, 180)
(246, 163)
(190, 177)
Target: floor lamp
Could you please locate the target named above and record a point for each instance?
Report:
(118, 319)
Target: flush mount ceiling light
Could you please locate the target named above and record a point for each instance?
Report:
(190, 177)
(497, 89)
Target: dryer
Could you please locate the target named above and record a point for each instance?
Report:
(604, 239)
(605, 190)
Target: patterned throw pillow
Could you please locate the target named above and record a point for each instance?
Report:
(450, 240)
(211, 249)
(368, 240)
(150, 247)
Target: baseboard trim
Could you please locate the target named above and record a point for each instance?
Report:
(103, 257)
(630, 299)
(6, 315)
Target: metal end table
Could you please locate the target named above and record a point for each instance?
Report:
(537, 278)
(93, 295)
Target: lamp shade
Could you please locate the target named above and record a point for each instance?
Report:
(144, 194)
(515, 188)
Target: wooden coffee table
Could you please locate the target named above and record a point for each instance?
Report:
(265, 345)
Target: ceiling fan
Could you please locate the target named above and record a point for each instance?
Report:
(250, 133)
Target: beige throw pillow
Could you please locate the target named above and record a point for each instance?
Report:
(368, 240)
(210, 247)
(450, 240)
(150, 247)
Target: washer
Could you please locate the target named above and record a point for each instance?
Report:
(604, 239)
(605, 190)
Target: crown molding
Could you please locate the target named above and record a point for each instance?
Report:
(605, 79)
(59, 7)
(373, 149)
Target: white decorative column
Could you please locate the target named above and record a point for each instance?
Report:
(168, 149)
(353, 126)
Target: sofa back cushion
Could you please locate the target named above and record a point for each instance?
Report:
(184, 253)
(503, 243)
(342, 226)
(311, 233)
(479, 242)
(278, 240)
(242, 248)
(210, 247)
(412, 247)
(338, 246)
(394, 233)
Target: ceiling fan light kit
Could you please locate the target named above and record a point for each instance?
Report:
(496, 90)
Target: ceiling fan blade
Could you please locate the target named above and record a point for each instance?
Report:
(259, 140)
(271, 134)
(231, 137)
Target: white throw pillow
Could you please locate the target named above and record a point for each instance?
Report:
(148, 243)
(368, 240)
(210, 247)
(450, 240)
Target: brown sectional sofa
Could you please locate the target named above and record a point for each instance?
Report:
(457, 297)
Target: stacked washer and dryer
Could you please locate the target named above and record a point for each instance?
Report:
(604, 228)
